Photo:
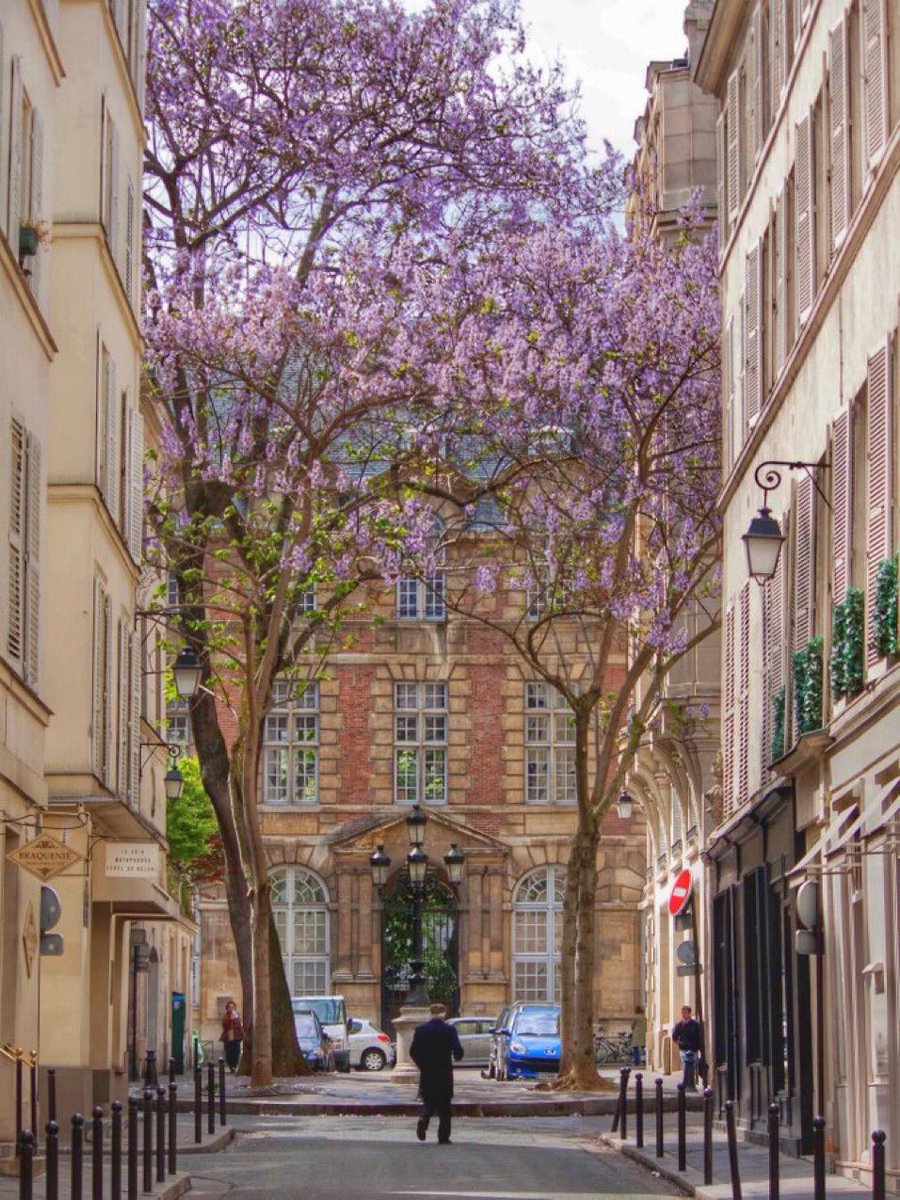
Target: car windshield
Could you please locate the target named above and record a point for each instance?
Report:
(306, 1026)
(538, 1024)
(328, 1009)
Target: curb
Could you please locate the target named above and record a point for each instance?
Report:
(604, 1105)
(210, 1145)
(688, 1182)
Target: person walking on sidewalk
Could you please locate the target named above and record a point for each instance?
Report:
(638, 1036)
(688, 1038)
(434, 1047)
(232, 1035)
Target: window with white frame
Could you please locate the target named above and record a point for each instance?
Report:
(291, 744)
(424, 598)
(537, 934)
(420, 743)
(300, 908)
(178, 724)
(549, 746)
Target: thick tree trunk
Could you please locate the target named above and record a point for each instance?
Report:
(567, 965)
(286, 1057)
(261, 1060)
(584, 1066)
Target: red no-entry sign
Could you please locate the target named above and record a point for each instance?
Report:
(681, 892)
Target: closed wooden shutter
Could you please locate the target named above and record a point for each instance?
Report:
(876, 110)
(134, 728)
(107, 689)
(731, 444)
(129, 242)
(123, 682)
(777, 59)
(841, 468)
(753, 296)
(114, 193)
(37, 198)
(32, 662)
(141, 57)
(136, 487)
(879, 539)
(15, 633)
(4, 137)
(112, 437)
(743, 747)
(720, 181)
(733, 145)
(16, 151)
(118, 12)
(728, 730)
(751, 94)
(804, 562)
(97, 698)
(780, 245)
(839, 120)
(804, 200)
(761, 103)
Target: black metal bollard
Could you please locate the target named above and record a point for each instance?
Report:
(147, 1155)
(639, 1110)
(620, 1122)
(171, 1070)
(173, 1127)
(97, 1154)
(774, 1160)
(115, 1151)
(52, 1160)
(160, 1134)
(707, 1136)
(659, 1118)
(682, 1127)
(211, 1097)
(51, 1094)
(198, 1104)
(77, 1155)
(26, 1164)
(133, 1147)
(150, 1077)
(819, 1158)
(222, 1113)
(33, 1080)
(732, 1150)
(879, 1181)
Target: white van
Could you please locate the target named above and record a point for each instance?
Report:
(332, 1014)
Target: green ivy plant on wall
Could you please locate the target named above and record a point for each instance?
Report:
(779, 705)
(885, 631)
(847, 644)
(807, 665)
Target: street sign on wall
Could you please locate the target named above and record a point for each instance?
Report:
(681, 892)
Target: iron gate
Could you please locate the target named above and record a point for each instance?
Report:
(440, 947)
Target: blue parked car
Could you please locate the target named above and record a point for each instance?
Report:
(526, 1041)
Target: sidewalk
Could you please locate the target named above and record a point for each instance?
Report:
(796, 1179)
(383, 1093)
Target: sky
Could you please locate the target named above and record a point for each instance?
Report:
(607, 44)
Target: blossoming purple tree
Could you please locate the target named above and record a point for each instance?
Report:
(579, 406)
(308, 163)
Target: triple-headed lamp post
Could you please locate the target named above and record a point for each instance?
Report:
(417, 866)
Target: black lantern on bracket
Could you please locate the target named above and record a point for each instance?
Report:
(415, 824)
(454, 860)
(380, 864)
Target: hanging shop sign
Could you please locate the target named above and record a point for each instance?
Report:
(44, 857)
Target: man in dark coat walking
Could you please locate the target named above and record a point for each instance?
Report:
(434, 1047)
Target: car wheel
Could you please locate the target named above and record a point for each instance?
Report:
(372, 1060)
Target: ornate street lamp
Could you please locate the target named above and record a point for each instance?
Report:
(380, 864)
(415, 824)
(454, 860)
(764, 539)
(625, 805)
(173, 779)
(186, 670)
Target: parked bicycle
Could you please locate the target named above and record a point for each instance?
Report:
(612, 1048)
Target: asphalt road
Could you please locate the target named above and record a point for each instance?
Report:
(351, 1158)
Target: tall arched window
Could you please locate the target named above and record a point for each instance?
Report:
(537, 934)
(300, 905)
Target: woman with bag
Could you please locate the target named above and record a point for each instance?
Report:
(232, 1035)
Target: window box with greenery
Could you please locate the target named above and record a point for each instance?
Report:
(807, 672)
(779, 709)
(884, 632)
(847, 638)
(32, 235)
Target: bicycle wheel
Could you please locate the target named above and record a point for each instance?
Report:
(605, 1052)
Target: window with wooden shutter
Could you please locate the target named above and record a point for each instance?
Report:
(129, 242)
(753, 297)
(99, 740)
(876, 109)
(804, 199)
(780, 300)
(753, 121)
(841, 471)
(777, 57)
(16, 152)
(761, 71)
(731, 433)
(733, 145)
(720, 181)
(743, 698)
(136, 487)
(728, 721)
(839, 131)
(15, 631)
(123, 685)
(141, 54)
(879, 535)
(32, 661)
(804, 563)
(36, 200)
(111, 426)
(134, 725)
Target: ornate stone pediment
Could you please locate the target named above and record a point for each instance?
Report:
(389, 829)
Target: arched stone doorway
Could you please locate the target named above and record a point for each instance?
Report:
(440, 945)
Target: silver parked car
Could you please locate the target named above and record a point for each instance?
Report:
(475, 1038)
(370, 1049)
